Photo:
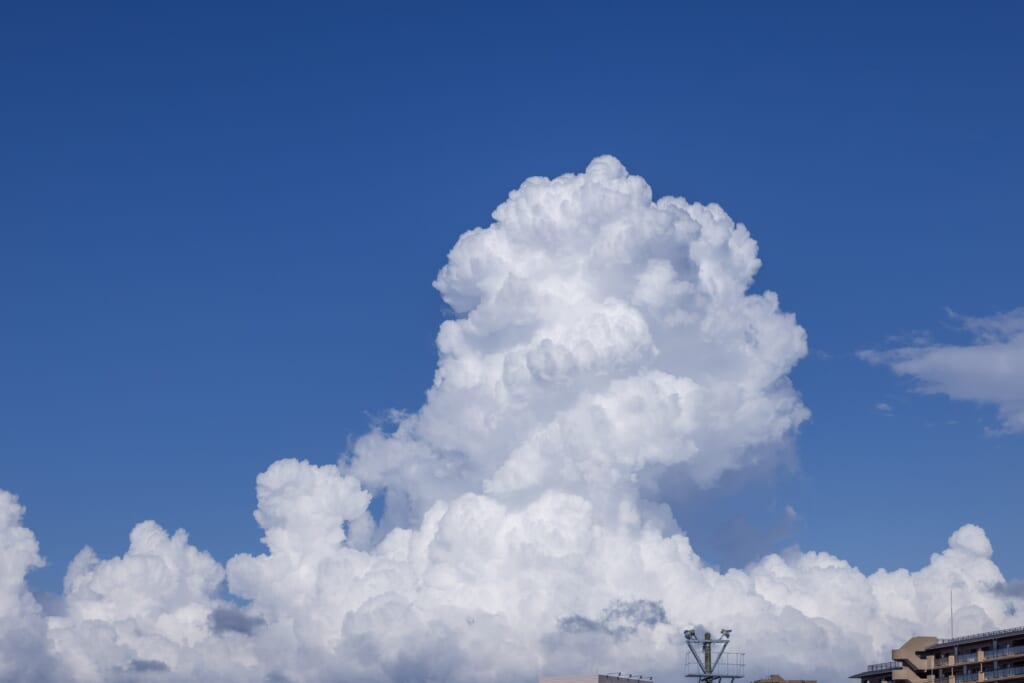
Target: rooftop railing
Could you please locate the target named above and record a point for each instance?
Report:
(978, 636)
(884, 666)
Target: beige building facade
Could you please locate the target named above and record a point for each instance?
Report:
(977, 658)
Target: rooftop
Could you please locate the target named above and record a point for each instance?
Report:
(988, 635)
(878, 668)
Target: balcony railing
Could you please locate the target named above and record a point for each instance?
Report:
(969, 657)
(990, 675)
(1012, 672)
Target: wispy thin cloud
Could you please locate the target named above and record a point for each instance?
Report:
(988, 369)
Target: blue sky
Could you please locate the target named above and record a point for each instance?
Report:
(219, 230)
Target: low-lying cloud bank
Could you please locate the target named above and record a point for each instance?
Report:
(603, 343)
(988, 370)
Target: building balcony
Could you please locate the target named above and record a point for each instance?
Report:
(994, 675)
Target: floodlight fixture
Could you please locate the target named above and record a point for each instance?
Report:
(713, 664)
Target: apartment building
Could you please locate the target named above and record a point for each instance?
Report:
(977, 658)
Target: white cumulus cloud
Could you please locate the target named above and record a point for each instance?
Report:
(602, 336)
(602, 343)
(988, 370)
(24, 654)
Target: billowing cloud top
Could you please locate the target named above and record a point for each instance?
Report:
(600, 336)
(600, 342)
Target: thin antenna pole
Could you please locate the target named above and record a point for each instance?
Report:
(951, 632)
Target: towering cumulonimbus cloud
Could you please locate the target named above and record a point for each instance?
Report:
(600, 344)
(601, 338)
